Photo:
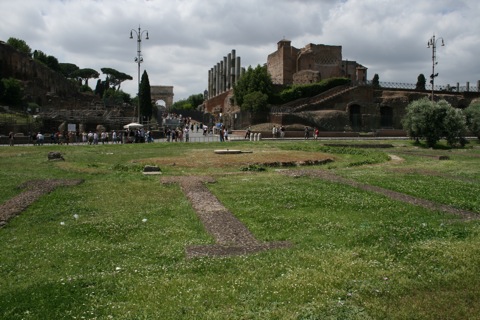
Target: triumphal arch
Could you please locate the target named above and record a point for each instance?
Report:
(164, 93)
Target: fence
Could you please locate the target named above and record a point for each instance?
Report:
(413, 86)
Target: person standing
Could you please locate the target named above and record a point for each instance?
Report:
(315, 135)
(11, 138)
(40, 139)
(306, 133)
(186, 133)
(225, 134)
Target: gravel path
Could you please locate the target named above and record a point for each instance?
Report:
(232, 237)
(33, 190)
(329, 176)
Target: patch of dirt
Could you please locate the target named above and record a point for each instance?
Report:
(33, 190)
(208, 159)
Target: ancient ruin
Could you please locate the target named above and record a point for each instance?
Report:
(312, 63)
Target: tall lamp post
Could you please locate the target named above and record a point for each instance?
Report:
(139, 58)
(432, 43)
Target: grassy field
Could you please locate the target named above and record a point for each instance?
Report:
(113, 247)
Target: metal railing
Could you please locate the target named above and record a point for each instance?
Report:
(413, 86)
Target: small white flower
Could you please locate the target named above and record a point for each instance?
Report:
(75, 216)
(144, 220)
(62, 223)
(118, 268)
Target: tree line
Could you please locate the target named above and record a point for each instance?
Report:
(108, 89)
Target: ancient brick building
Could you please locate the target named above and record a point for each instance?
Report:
(312, 63)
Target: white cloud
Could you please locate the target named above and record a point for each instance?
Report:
(188, 37)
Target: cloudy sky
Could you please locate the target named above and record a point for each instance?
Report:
(188, 37)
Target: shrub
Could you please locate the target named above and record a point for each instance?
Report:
(432, 121)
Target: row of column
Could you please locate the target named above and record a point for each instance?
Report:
(223, 75)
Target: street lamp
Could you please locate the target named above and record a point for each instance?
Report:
(139, 58)
(432, 43)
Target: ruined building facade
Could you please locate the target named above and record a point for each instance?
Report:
(223, 75)
(312, 63)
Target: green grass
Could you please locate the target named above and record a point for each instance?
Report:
(355, 254)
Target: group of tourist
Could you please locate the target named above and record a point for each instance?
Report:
(278, 131)
(182, 132)
(90, 137)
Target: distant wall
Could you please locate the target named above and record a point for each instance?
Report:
(40, 82)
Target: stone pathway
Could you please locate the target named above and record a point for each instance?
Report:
(33, 190)
(329, 176)
(232, 237)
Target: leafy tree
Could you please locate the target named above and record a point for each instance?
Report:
(196, 99)
(376, 81)
(115, 78)
(2, 90)
(53, 64)
(432, 121)
(85, 74)
(85, 88)
(100, 88)
(256, 102)
(254, 80)
(20, 45)
(67, 69)
(421, 81)
(145, 97)
(40, 56)
(49, 61)
(191, 103)
(472, 114)
(453, 122)
(12, 92)
(115, 97)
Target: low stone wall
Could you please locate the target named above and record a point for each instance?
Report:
(329, 134)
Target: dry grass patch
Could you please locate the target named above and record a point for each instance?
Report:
(207, 158)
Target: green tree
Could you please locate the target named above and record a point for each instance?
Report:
(254, 80)
(49, 61)
(421, 81)
(12, 92)
(191, 103)
(100, 88)
(115, 77)
(40, 56)
(376, 81)
(433, 121)
(145, 97)
(85, 74)
(453, 122)
(20, 45)
(53, 64)
(472, 114)
(115, 97)
(2, 90)
(255, 102)
(67, 69)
